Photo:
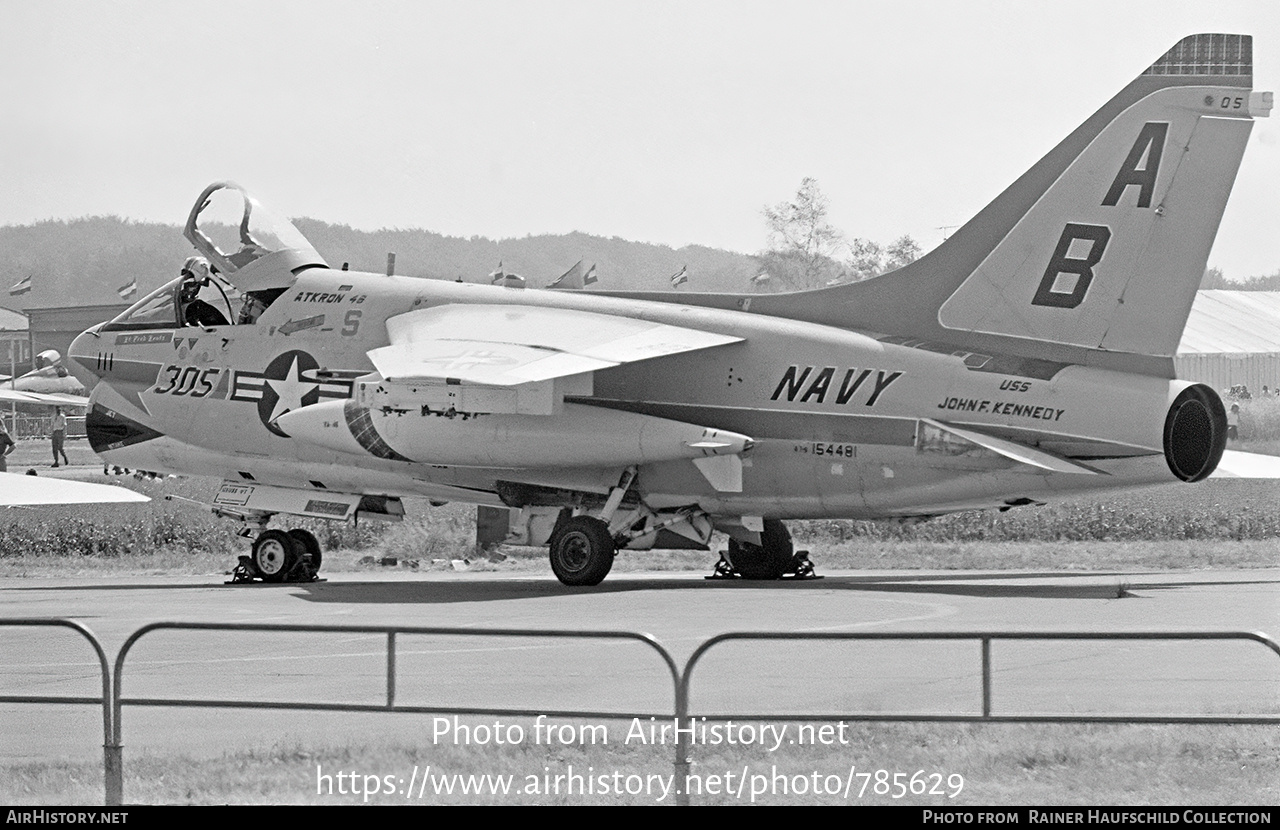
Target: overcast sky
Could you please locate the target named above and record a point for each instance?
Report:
(668, 122)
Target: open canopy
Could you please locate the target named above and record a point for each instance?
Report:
(249, 245)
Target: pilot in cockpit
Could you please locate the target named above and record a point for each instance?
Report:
(193, 310)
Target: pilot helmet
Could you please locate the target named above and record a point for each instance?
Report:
(196, 266)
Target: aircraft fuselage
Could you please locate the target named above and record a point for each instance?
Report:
(843, 423)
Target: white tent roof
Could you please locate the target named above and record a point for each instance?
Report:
(1233, 322)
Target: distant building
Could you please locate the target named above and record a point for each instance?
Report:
(55, 328)
(15, 342)
(1232, 338)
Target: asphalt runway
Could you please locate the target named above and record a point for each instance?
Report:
(680, 609)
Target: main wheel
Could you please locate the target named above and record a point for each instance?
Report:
(771, 559)
(581, 551)
(274, 555)
(308, 544)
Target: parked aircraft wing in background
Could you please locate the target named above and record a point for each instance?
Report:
(43, 399)
(33, 490)
(1236, 464)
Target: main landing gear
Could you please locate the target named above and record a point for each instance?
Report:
(774, 558)
(280, 556)
(582, 550)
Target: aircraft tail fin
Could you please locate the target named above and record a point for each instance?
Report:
(1110, 254)
(1094, 255)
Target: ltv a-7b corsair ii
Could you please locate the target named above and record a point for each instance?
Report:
(1027, 357)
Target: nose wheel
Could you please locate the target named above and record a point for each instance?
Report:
(273, 555)
(280, 556)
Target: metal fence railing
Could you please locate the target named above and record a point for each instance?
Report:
(115, 784)
(113, 699)
(110, 763)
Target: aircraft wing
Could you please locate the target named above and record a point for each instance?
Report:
(43, 398)
(511, 345)
(22, 489)
(1236, 464)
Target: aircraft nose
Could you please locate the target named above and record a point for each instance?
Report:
(84, 357)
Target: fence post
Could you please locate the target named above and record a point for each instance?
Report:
(113, 766)
(681, 765)
(986, 677)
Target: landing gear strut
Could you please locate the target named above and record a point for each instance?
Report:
(280, 556)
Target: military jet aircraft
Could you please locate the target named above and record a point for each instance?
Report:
(1026, 358)
(49, 384)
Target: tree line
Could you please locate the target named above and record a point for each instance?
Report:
(807, 251)
(88, 261)
(1215, 279)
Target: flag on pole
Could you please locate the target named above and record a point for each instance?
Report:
(129, 290)
(590, 276)
(496, 276)
(22, 286)
(571, 278)
(681, 276)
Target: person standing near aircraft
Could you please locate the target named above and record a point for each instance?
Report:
(59, 436)
(6, 446)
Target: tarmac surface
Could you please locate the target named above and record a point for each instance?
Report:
(680, 610)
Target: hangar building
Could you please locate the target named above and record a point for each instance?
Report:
(1232, 338)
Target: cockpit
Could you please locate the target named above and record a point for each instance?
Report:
(185, 301)
(248, 257)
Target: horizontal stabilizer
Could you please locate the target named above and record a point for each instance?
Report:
(509, 345)
(1018, 452)
(20, 489)
(1236, 464)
